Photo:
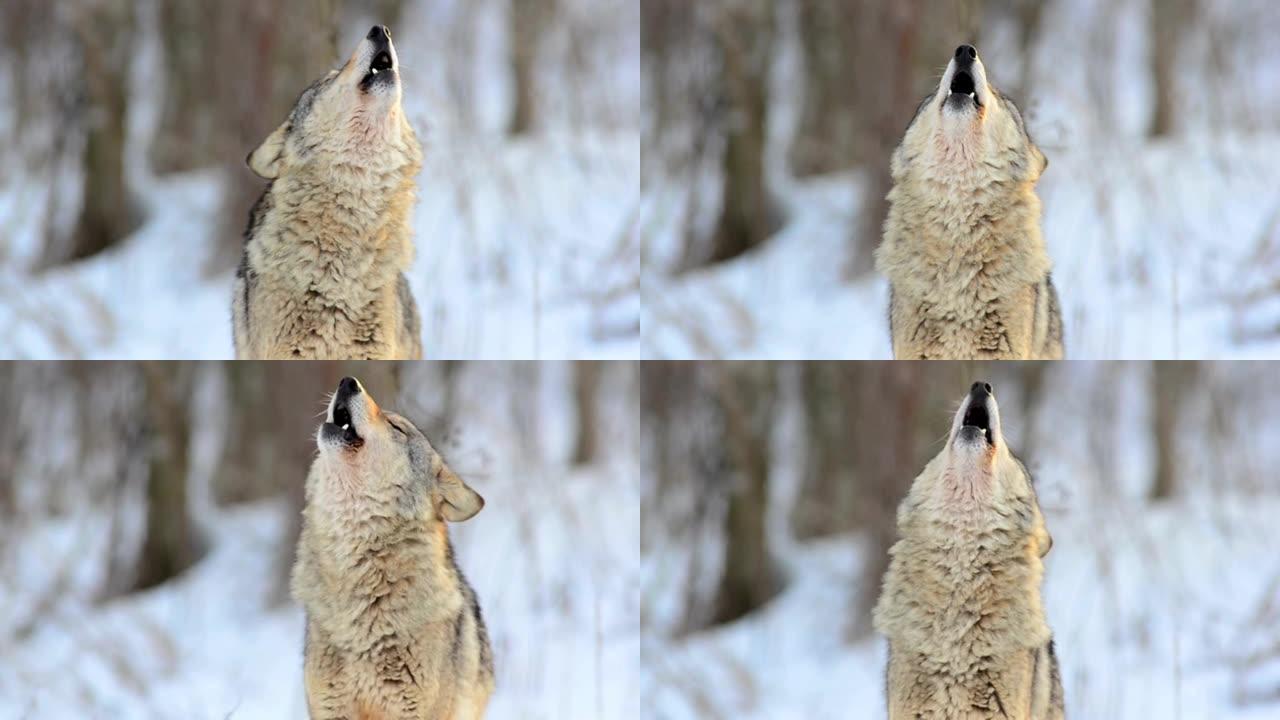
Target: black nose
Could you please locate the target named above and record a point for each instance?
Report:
(980, 390)
(380, 33)
(965, 55)
(347, 387)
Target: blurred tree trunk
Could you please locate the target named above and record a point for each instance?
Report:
(586, 400)
(528, 21)
(1033, 374)
(749, 579)
(1169, 20)
(744, 36)
(825, 138)
(1172, 381)
(828, 501)
(107, 212)
(170, 544)
(1027, 14)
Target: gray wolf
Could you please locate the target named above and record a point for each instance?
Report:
(969, 276)
(322, 273)
(961, 603)
(393, 629)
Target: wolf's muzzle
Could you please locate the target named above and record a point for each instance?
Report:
(340, 427)
(977, 415)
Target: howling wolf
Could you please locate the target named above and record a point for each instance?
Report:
(967, 267)
(394, 632)
(961, 599)
(329, 240)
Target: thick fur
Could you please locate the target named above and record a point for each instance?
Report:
(329, 240)
(968, 271)
(394, 632)
(961, 599)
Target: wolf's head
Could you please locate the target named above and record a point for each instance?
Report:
(350, 117)
(968, 121)
(976, 472)
(381, 457)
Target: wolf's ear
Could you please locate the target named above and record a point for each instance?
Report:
(265, 160)
(460, 502)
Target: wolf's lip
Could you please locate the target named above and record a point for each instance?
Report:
(344, 434)
(381, 61)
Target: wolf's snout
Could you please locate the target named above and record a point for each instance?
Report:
(965, 55)
(379, 34)
(980, 390)
(347, 387)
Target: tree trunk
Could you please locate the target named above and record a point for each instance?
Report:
(107, 211)
(825, 139)
(749, 578)
(745, 39)
(1171, 382)
(170, 544)
(527, 23)
(586, 398)
(1168, 20)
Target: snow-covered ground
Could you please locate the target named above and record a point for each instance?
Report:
(524, 247)
(553, 557)
(1161, 249)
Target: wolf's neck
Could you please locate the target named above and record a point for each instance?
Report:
(944, 237)
(395, 562)
(973, 580)
(352, 220)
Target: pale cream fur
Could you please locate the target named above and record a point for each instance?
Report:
(393, 630)
(328, 243)
(962, 248)
(961, 603)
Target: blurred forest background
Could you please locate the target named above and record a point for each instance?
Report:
(124, 188)
(769, 506)
(149, 514)
(768, 130)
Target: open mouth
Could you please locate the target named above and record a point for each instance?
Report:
(977, 418)
(342, 429)
(380, 70)
(962, 85)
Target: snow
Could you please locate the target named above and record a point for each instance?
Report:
(524, 246)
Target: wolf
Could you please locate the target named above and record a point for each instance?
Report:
(327, 244)
(394, 631)
(960, 603)
(969, 276)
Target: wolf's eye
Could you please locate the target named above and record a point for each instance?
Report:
(397, 428)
